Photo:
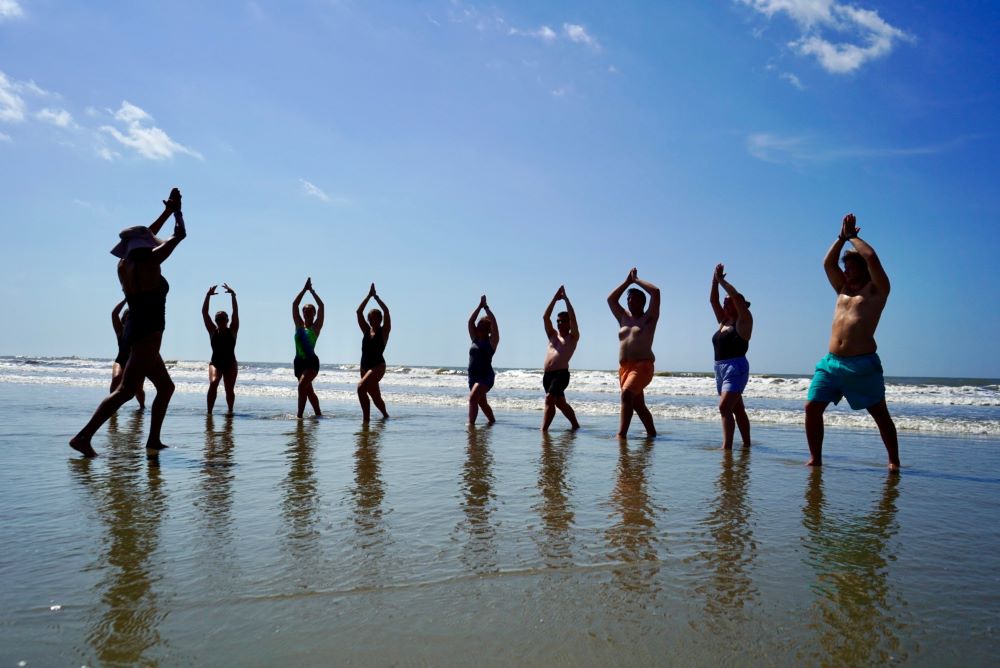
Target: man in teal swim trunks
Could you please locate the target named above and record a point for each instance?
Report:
(852, 369)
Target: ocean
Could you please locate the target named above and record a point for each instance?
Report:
(259, 539)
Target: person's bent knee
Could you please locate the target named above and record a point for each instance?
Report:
(815, 408)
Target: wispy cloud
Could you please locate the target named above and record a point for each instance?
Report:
(12, 106)
(10, 9)
(58, 117)
(776, 148)
(792, 79)
(577, 33)
(562, 91)
(869, 35)
(143, 137)
(313, 190)
(105, 153)
(544, 33)
(5, 138)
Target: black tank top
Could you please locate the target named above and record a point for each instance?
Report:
(223, 349)
(372, 348)
(480, 358)
(729, 344)
(147, 312)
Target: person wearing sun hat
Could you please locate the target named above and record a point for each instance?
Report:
(140, 255)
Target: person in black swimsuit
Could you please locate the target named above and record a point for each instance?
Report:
(485, 336)
(732, 371)
(145, 290)
(222, 334)
(308, 325)
(118, 367)
(376, 334)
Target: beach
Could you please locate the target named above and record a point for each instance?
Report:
(418, 541)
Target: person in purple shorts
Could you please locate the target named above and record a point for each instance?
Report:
(852, 368)
(732, 371)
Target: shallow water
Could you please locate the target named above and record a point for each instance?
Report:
(260, 539)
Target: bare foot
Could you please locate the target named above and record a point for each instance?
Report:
(574, 426)
(894, 467)
(82, 446)
(159, 445)
(814, 462)
(727, 447)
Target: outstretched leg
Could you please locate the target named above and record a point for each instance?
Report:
(568, 411)
(742, 421)
(814, 431)
(120, 395)
(644, 415)
(307, 393)
(485, 406)
(887, 429)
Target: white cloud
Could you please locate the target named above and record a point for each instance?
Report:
(10, 9)
(577, 33)
(5, 138)
(792, 79)
(106, 153)
(314, 191)
(57, 117)
(144, 138)
(562, 91)
(12, 106)
(775, 148)
(545, 33)
(870, 35)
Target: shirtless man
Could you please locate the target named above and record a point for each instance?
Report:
(852, 368)
(635, 356)
(562, 344)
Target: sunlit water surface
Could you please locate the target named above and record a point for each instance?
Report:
(260, 539)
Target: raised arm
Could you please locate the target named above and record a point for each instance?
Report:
(116, 320)
(550, 331)
(713, 295)
(572, 317)
(163, 251)
(320, 311)
(386, 318)
(234, 324)
(879, 278)
(296, 312)
(209, 325)
(614, 299)
(653, 312)
(475, 314)
(171, 204)
(362, 323)
(744, 319)
(494, 328)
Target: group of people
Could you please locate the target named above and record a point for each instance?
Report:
(851, 369)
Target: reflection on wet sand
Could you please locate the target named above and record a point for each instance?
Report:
(216, 502)
(300, 506)
(371, 533)
(554, 507)
(855, 604)
(480, 552)
(729, 589)
(632, 538)
(129, 498)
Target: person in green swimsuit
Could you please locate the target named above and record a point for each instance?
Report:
(307, 328)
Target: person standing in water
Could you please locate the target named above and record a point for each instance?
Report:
(635, 352)
(562, 344)
(485, 335)
(376, 335)
(732, 370)
(308, 325)
(222, 334)
(118, 366)
(852, 368)
(141, 255)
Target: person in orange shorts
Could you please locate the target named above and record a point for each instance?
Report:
(635, 354)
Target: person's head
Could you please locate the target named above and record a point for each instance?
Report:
(483, 327)
(221, 319)
(729, 305)
(375, 318)
(308, 314)
(563, 323)
(636, 300)
(855, 269)
(133, 240)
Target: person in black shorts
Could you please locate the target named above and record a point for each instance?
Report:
(222, 334)
(376, 335)
(562, 344)
(118, 367)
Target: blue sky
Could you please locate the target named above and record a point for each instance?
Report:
(444, 149)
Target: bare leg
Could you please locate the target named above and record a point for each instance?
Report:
(368, 387)
(140, 394)
(376, 395)
(550, 412)
(742, 421)
(814, 431)
(568, 411)
(214, 377)
(306, 392)
(160, 378)
(887, 429)
(474, 403)
(644, 415)
(115, 400)
(625, 419)
(229, 382)
(487, 411)
(364, 401)
(727, 401)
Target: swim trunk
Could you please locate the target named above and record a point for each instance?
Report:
(635, 375)
(303, 364)
(859, 378)
(486, 382)
(555, 382)
(732, 375)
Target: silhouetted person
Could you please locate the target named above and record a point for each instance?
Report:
(376, 335)
(562, 344)
(222, 334)
(732, 371)
(485, 335)
(118, 366)
(635, 353)
(307, 329)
